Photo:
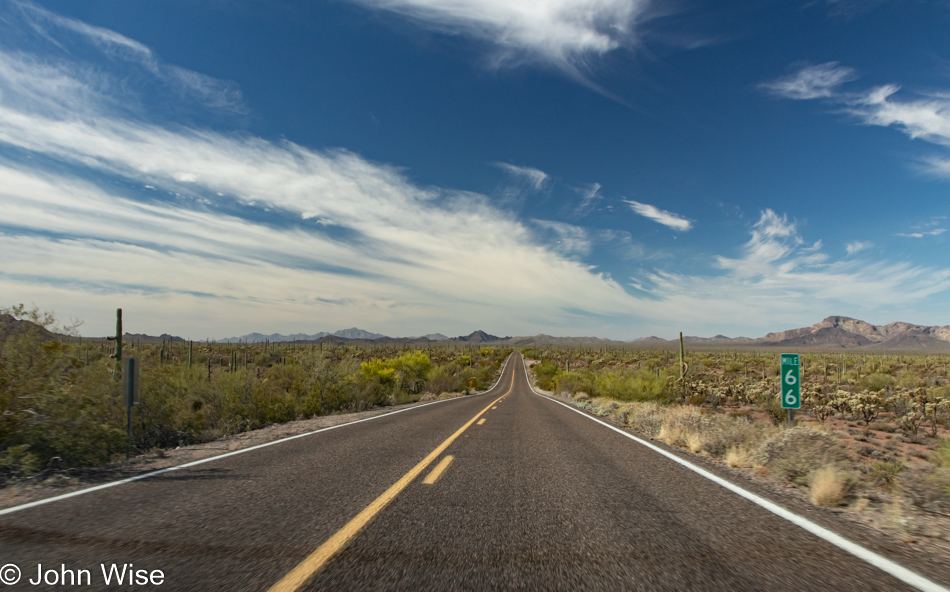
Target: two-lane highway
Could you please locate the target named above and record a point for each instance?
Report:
(505, 490)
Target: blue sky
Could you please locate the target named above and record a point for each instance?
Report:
(618, 168)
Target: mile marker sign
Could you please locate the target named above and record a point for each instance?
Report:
(791, 382)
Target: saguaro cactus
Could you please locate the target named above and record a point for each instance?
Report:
(117, 355)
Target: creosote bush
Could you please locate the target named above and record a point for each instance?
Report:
(60, 404)
(795, 453)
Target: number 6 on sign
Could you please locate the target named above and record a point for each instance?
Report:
(792, 399)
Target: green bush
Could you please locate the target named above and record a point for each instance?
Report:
(60, 404)
(876, 382)
(545, 372)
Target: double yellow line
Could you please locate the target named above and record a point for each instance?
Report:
(309, 567)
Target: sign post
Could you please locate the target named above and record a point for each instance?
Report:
(791, 385)
(130, 391)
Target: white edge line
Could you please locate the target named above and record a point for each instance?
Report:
(202, 461)
(879, 561)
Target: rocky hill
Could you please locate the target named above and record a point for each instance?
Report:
(845, 332)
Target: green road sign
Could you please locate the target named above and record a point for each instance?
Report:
(791, 382)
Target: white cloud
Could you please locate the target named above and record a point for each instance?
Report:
(775, 282)
(536, 178)
(345, 239)
(934, 232)
(569, 239)
(926, 118)
(857, 246)
(811, 82)
(354, 231)
(674, 221)
(559, 33)
(209, 91)
(590, 195)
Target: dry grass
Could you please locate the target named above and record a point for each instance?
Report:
(827, 487)
(694, 441)
(738, 457)
(798, 453)
(670, 434)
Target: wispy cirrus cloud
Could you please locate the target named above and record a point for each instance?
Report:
(61, 31)
(590, 195)
(811, 81)
(563, 34)
(535, 178)
(858, 246)
(922, 234)
(674, 221)
(925, 118)
(207, 233)
(568, 239)
(226, 229)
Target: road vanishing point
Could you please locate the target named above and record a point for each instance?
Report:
(506, 490)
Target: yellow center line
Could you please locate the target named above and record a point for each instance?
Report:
(494, 407)
(432, 477)
(481, 421)
(309, 567)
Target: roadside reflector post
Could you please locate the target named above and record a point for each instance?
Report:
(790, 379)
(130, 393)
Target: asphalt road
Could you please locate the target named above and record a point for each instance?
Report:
(536, 497)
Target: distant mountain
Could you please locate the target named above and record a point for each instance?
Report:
(542, 339)
(478, 337)
(834, 332)
(10, 326)
(431, 337)
(273, 337)
(845, 332)
(354, 333)
(143, 338)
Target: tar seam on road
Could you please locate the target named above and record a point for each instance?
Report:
(308, 568)
(64, 496)
(440, 468)
(875, 559)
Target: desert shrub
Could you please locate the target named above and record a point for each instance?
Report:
(932, 491)
(796, 453)
(738, 457)
(639, 385)
(876, 382)
(444, 379)
(646, 418)
(884, 472)
(735, 366)
(827, 487)
(52, 406)
(772, 403)
(545, 371)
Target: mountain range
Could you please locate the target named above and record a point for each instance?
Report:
(835, 332)
(838, 332)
